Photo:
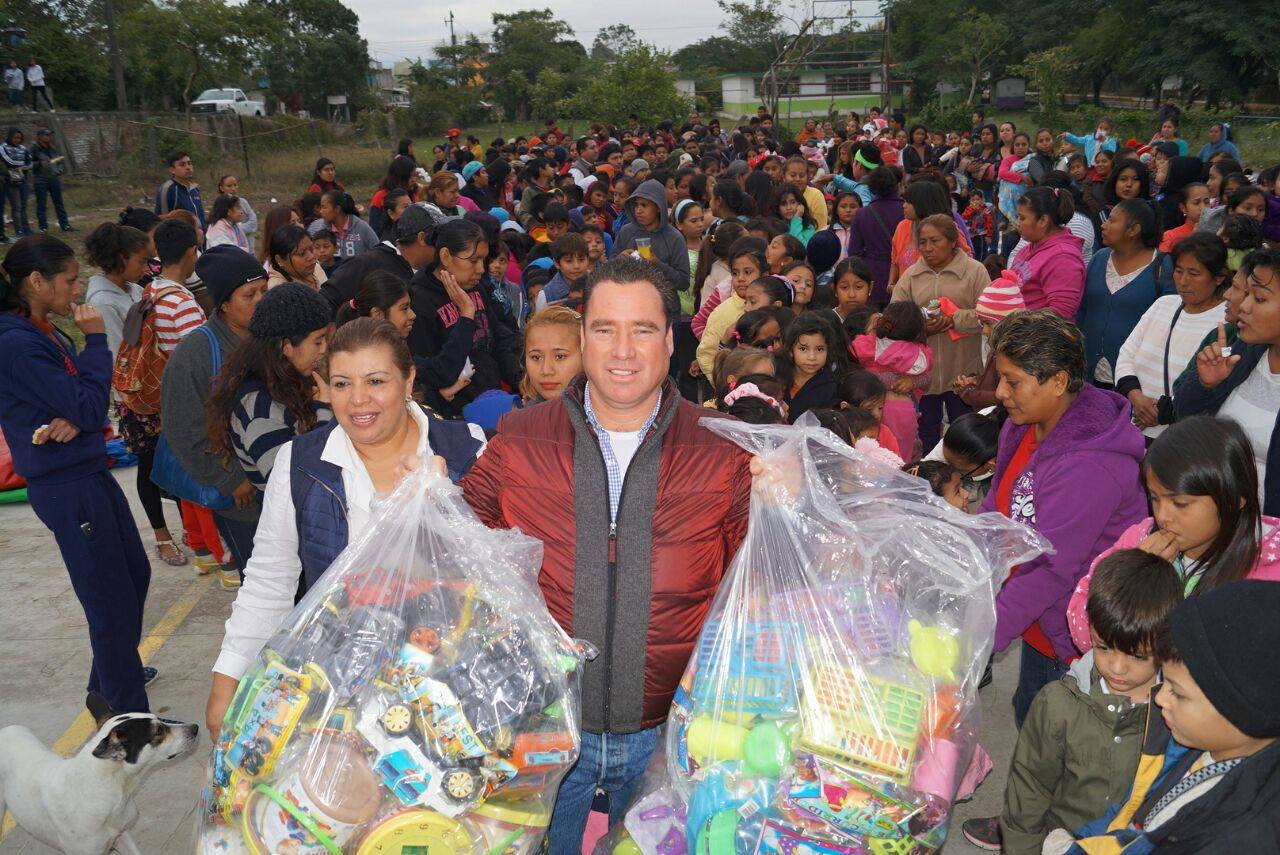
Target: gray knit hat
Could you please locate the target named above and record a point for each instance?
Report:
(290, 310)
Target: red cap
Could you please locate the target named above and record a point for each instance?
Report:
(454, 132)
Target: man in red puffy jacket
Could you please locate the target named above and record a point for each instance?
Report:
(640, 509)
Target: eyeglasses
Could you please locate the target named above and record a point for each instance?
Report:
(967, 481)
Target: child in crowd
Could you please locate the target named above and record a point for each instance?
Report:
(508, 292)
(944, 481)
(759, 328)
(1195, 198)
(851, 280)
(1242, 234)
(799, 173)
(1079, 746)
(860, 389)
(810, 346)
(1014, 179)
(1202, 482)
(847, 204)
(862, 424)
(1001, 298)
(691, 223)
(794, 211)
(756, 400)
(1208, 779)
(746, 265)
(663, 245)
(980, 218)
(803, 280)
(783, 250)
(325, 246)
(596, 250)
(569, 252)
(731, 365)
(896, 352)
(555, 223)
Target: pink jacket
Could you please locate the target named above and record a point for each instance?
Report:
(1268, 570)
(1052, 273)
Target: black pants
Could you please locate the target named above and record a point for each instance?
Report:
(148, 493)
(40, 91)
(110, 573)
(237, 536)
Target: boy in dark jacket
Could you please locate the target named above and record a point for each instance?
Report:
(1078, 749)
(570, 254)
(1209, 776)
(647, 207)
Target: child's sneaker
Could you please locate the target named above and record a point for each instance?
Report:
(983, 833)
(149, 675)
(230, 578)
(205, 564)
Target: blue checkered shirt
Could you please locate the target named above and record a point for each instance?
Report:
(611, 467)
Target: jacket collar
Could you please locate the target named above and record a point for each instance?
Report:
(339, 451)
(574, 396)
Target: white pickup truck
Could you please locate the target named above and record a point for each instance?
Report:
(227, 101)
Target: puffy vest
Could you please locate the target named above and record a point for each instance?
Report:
(320, 501)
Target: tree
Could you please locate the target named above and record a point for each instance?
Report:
(979, 39)
(309, 49)
(613, 41)
(640, 81)
(1047, 71)
(755, 25)
(525, 43)
(1102, 48)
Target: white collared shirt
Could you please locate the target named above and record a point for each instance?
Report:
(271, 578)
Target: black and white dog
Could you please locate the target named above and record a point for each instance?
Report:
(82, 805)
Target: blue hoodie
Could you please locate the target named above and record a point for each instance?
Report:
(40, 381)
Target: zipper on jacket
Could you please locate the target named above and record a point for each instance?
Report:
(610, 614)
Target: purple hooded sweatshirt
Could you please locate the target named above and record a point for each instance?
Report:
(1081, 490)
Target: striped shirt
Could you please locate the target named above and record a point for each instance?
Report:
(177, 314)
(260, 426)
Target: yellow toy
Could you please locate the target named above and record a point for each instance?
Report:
(934, 651)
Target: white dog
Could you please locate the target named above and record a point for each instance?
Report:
(82, 805)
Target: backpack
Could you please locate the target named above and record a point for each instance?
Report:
(140, 362)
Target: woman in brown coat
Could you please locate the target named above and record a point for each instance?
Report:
(945, 275)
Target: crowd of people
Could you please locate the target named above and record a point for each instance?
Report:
(1077, 332)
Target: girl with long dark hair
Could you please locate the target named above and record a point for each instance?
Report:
(268, 390)
(1203, 486)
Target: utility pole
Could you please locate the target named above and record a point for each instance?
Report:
(453, 42)
(113, 48)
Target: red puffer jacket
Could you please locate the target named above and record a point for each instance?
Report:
(640, 594)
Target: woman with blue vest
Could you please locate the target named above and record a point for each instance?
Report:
(53, 404)
(1122, 282)
(323, 482)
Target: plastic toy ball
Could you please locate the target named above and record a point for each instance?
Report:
(765, 750)
(715, 741)
(933, 650)
(627, 846)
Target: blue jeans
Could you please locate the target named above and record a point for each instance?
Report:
(238, 536)
(1034, 673)
(613, 762)
(50, 189)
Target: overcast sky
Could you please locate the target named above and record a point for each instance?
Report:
(399, 29)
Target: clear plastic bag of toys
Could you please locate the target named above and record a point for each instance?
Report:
(830, 704)
(419, 698)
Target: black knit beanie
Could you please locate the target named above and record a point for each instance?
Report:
(290, 310)
(225, 268)
(1229, 639)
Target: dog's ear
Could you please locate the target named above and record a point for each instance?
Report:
(99, 708)
(112, 746)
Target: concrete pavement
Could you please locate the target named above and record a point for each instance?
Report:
(44, 663)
